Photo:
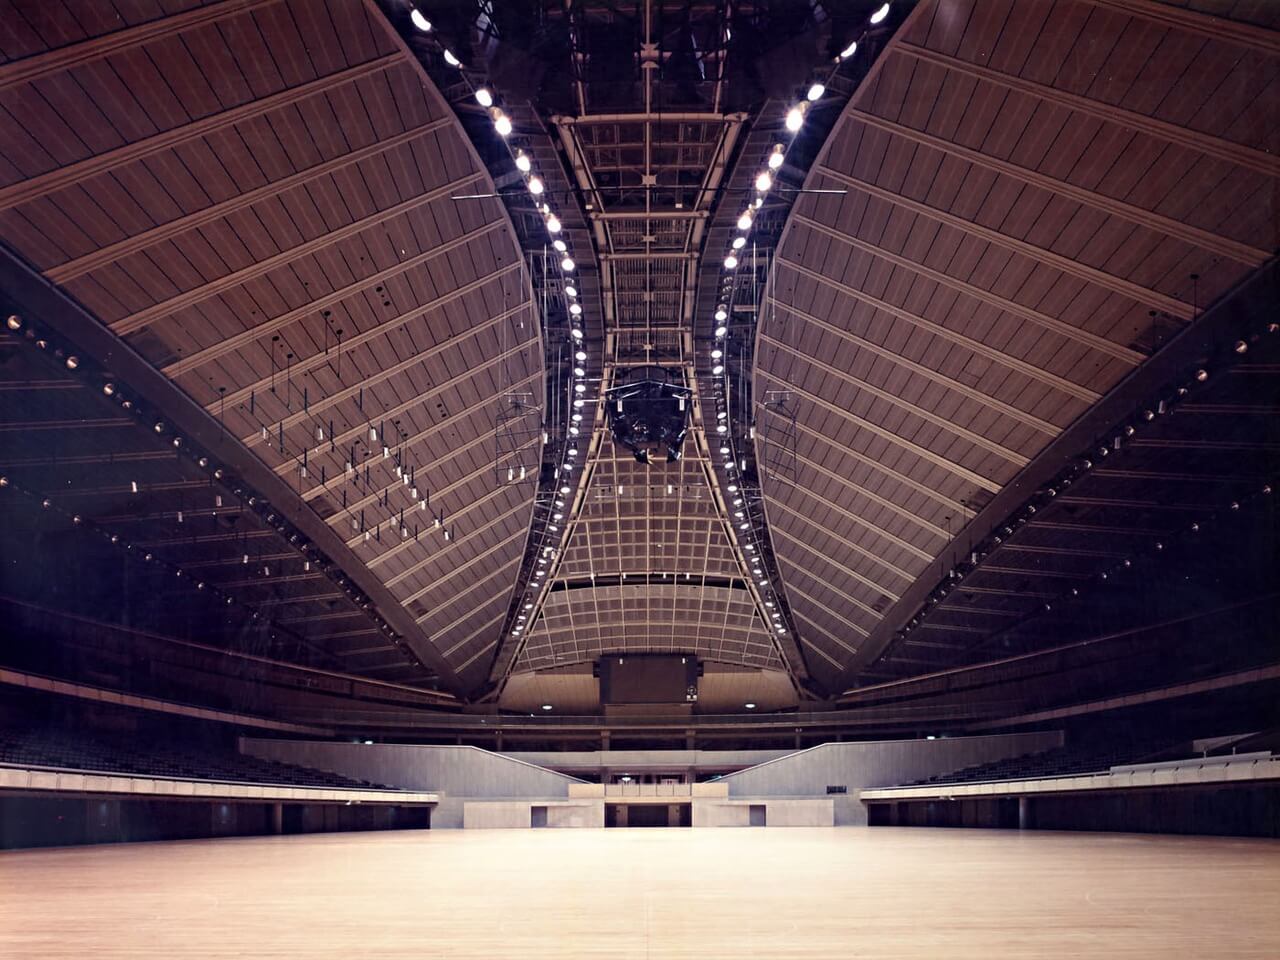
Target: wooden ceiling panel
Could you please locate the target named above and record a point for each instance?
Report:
(261, 205)
(1028, 189)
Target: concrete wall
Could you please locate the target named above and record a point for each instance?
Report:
(854, 766)
(516, 814)
(455, 773)
(779, 812)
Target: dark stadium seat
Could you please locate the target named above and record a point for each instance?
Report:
(117, 754)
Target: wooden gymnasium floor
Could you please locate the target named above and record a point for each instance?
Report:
(621, 894)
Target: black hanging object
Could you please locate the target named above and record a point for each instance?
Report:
(252, 403)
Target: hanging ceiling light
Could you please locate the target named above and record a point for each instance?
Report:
(484, 96)
(450, 59)
(567, 265)
(739, 242)
(815, 92)
(419, 21)
(880, 14)
(14, 322)
(764, 181)
(744, 221)
(848, 51)
(523, 164)
(536, 186)
(795, 118)
(731, 262)
(777, 157)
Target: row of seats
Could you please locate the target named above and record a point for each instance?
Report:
(1061, 762)
(151, 757)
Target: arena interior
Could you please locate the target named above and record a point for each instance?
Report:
(440, 439)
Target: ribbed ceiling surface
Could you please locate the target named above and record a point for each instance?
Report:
(258, 198)
(1028, 190)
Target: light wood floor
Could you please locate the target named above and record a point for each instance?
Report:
(621, 894)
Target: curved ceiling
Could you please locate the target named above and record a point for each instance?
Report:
(257, 198)
(1035, 198)
(301, 253)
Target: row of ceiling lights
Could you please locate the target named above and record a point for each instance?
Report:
(763, 183)
(487, 99)
(1079, 467)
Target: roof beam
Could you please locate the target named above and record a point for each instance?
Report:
(925, 454)
(1073, 268)
(379, 329)
(1233, 153)
(961, 509)
(872, 528)
(834, 565)
(64, 58)
(1029, 370)
(1201, 24)
(109, 254)
(1193, 235)
(207, 291)
(255, 439)
(75, 173)
(934, 376)
(1054, 324)
(258, 331)
(462, 568)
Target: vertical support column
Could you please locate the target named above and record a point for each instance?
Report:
(497, 746)
(1024, 813)
(690, 740)
(277, 818)
(622, 814)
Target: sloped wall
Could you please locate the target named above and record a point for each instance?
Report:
(456, 773)
(875, 764)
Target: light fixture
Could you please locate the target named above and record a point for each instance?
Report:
(739, 242)
(848, 51)
(576, 333)
(564, 490)
(501, 123)
(580, 356)
(546, 706)
(795, 118)
(815, 92)
(450, 59)
(777, 157)
(72, 362)
(159, 426)
(722, 315)
(484, 96)
(717, 369)
(553, 224)
(14, 322)
(722, 428)
(744, 221)
(561, 247)
(749, 706)
(570, 290)
(523, 164)
(566, 265)
(880, 14)
(575, 309)
(536, 186)
(1241, 347)
(419, 21)
(717, 354)
(721, 330)
(764, 180)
